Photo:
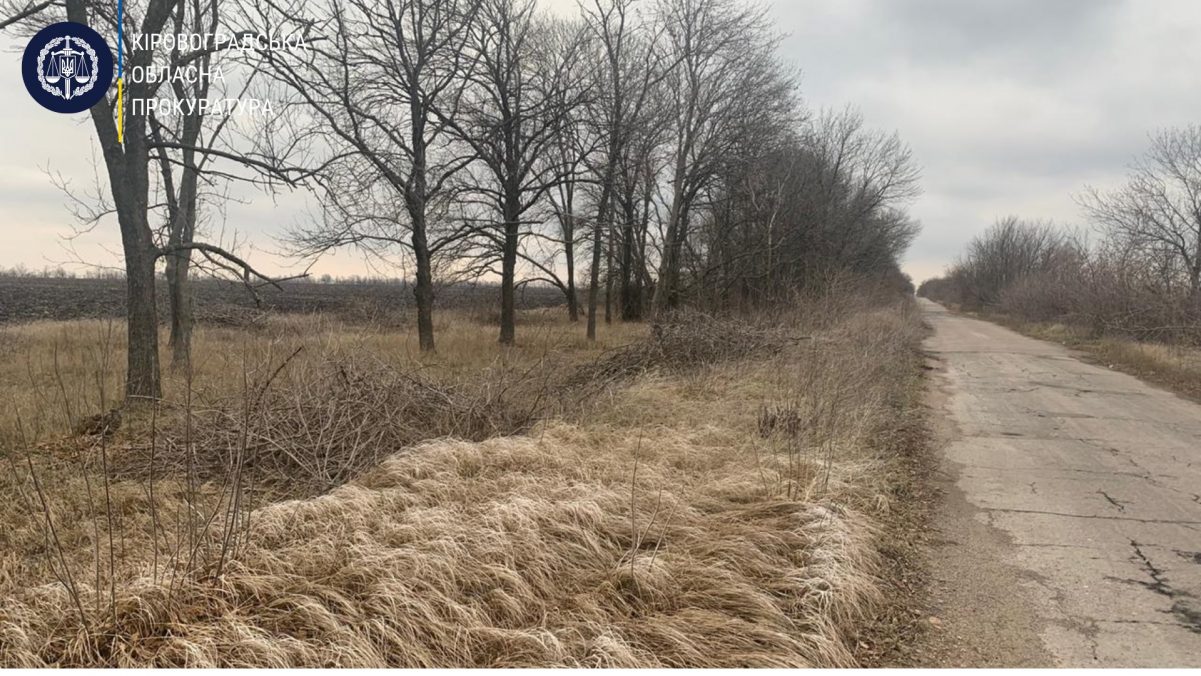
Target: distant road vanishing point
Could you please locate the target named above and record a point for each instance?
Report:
(1071, 532)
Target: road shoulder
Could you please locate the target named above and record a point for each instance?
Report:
(981, 610)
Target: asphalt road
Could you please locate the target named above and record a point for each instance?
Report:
(1071, 532)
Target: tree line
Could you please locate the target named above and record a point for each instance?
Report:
(1136, 271)
(655, 153)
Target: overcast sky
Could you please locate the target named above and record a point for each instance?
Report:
(1011, 107)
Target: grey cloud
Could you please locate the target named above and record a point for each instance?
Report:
(959, 30)
(1012, 107)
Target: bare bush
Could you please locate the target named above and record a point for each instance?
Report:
(324, 423)
(1157, 212)
(680, 340)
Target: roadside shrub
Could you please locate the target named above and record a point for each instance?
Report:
(320, 424)
(680, 340)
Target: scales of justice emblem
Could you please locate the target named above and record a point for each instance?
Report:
(67, 67)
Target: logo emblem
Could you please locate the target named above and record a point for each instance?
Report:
(67, 67)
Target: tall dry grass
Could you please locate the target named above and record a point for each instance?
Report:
(716, 513)
(52, 372)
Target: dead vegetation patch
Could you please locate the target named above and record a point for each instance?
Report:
(684, 339)
(309, 426)
(525, 551)
(320, 424)
(712, 512)
(894, 636)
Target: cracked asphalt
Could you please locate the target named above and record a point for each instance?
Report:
(1071, 532)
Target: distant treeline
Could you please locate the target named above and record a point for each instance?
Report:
(1140, 276)
(59, 272)
(378, 303)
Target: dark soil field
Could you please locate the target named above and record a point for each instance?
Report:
(24, 299)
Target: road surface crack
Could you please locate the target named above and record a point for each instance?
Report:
(1159, 584)
(1194, 557)
(1118, 504)
(1181, 608)
(1103, 517)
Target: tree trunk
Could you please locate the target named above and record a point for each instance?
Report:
(642, 276)
(127, 167)
(609, 277)
(573, 303)
(142, 374)
(129, 188)
(180, 297)
(629, 309)
(179, 263)
(598, 228)
(508, 273)
(142, 377)
(665, 292)
(424, 290)
(669, 268)
(594, 280)
(416, 199)
(1194, 273)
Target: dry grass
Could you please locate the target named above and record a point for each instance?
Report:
(53, 373)
(666, 523)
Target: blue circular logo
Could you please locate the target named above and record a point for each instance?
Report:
(67, 67)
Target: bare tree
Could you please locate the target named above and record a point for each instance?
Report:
(638, 186)
(128, 175)
(16, 12)
(627, 69)
(380, 93)
(1159, 208)
(794, 205)
(725, 76)
(860, 179)
(575, 143)
(1006, 253)
(512, 111)
(182, 165)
